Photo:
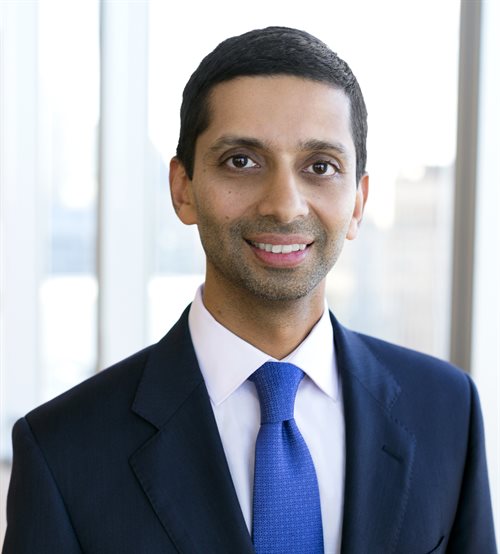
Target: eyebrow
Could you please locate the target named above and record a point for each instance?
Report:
(315, 145)
(312, 145)
(227, 141)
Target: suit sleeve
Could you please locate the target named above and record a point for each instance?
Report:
(37, 519)
(473, 530)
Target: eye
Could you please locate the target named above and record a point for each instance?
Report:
(240, 161)
(322, 168)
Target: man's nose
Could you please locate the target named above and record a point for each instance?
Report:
(283, 197)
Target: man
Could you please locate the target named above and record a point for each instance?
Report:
(183, 447)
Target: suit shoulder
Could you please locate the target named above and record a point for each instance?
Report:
(413, 367)
(427, 393)
(111, 387)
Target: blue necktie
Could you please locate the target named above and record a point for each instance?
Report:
(286, 507)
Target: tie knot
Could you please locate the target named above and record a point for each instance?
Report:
(277, 384)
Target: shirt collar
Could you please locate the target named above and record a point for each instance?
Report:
(227, 361)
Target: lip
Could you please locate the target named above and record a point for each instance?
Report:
(280, 260)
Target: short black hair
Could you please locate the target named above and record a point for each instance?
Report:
(270, 51)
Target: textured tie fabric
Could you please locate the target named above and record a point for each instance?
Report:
(286, 506)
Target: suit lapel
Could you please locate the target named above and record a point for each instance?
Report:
(379, 450)
(182, 468)
(183, 471)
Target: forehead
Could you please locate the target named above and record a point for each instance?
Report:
(280, 110)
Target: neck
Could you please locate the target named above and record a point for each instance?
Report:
(275, 327)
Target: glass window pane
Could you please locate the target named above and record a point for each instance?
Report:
(68, 138)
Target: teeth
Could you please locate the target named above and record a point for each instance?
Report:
(280, 248)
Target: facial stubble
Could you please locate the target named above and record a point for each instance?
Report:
(229, 254)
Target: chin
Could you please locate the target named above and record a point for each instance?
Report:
(281, 292)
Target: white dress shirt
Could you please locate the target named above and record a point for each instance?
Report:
(226, 361)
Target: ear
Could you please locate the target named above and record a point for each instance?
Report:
(359, 207)
(181, 193)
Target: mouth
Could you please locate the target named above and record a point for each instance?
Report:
(278, 248)
(280, 251)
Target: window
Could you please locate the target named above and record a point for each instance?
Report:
(72, 307)
(49, 145)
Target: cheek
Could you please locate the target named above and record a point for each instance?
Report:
(215, 210)
(336, 212)
(222, 204)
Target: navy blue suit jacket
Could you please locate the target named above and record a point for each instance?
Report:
(130, 461)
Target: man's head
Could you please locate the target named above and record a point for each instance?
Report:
(268, 166)
(266, 52)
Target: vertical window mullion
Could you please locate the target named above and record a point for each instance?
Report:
(122, 255)
(465, 185)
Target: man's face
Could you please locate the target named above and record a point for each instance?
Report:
(274, 189)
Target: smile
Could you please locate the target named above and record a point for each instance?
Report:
(279, 248)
